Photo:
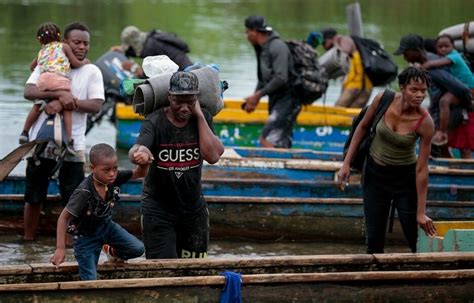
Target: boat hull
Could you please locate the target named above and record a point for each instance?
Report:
(278, 279)
(454, 290)
(317, 128)
(451, 236)
(323, 138)
(254, 209)
(308, 154)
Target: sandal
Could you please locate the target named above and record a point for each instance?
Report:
(440, 139)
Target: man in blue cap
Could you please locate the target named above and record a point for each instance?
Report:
(175, 219)
(274, 70)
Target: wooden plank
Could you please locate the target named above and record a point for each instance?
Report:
(311, 164)
(210, 263)
(143, 283)
(261, 200)
(252, 262)
(277, 188)
(15, 270)
(295, 153)
(41, 268)
(424, 257)
(395, 276)
(29, 287)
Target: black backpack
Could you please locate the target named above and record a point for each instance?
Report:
(310, 80)
(359, 157)
(378, 66)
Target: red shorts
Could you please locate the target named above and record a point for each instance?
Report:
(462, 137)
(52, 82)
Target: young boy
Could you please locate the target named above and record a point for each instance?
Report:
(87, 215)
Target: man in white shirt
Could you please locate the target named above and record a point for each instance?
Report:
(87, 96)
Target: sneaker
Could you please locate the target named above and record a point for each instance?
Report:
(110, 253)
(24, 138)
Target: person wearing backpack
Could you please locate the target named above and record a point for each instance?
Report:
(449, 97)
(86, 97)
(393, 175)
(275, 72)
(357, 87)
(139, 44)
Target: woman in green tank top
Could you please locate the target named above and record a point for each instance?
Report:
(393, 174)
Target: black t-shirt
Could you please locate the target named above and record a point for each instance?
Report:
(173, 182)
(88, 208)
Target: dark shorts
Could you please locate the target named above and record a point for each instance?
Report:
(37, 179)
(170, 236)
(282, 116)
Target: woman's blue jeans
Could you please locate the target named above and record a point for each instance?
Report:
(87, 247)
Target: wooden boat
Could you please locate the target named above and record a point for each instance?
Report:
(452, 236)
(258, 209)
(284, 279)
(234, 165)
(318, 127)
(307, 154)
(281, 199)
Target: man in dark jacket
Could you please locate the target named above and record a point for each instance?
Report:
(448, 95)
(275, 68)
(136, 43)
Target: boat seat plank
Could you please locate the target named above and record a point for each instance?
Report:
(396, 276)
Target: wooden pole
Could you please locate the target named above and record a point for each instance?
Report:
(369, 277)
(354, 19)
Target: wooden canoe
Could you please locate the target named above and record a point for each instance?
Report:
(307, 154)
(313, 170)
(282, 198)
(270, 210)
(282, 279)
